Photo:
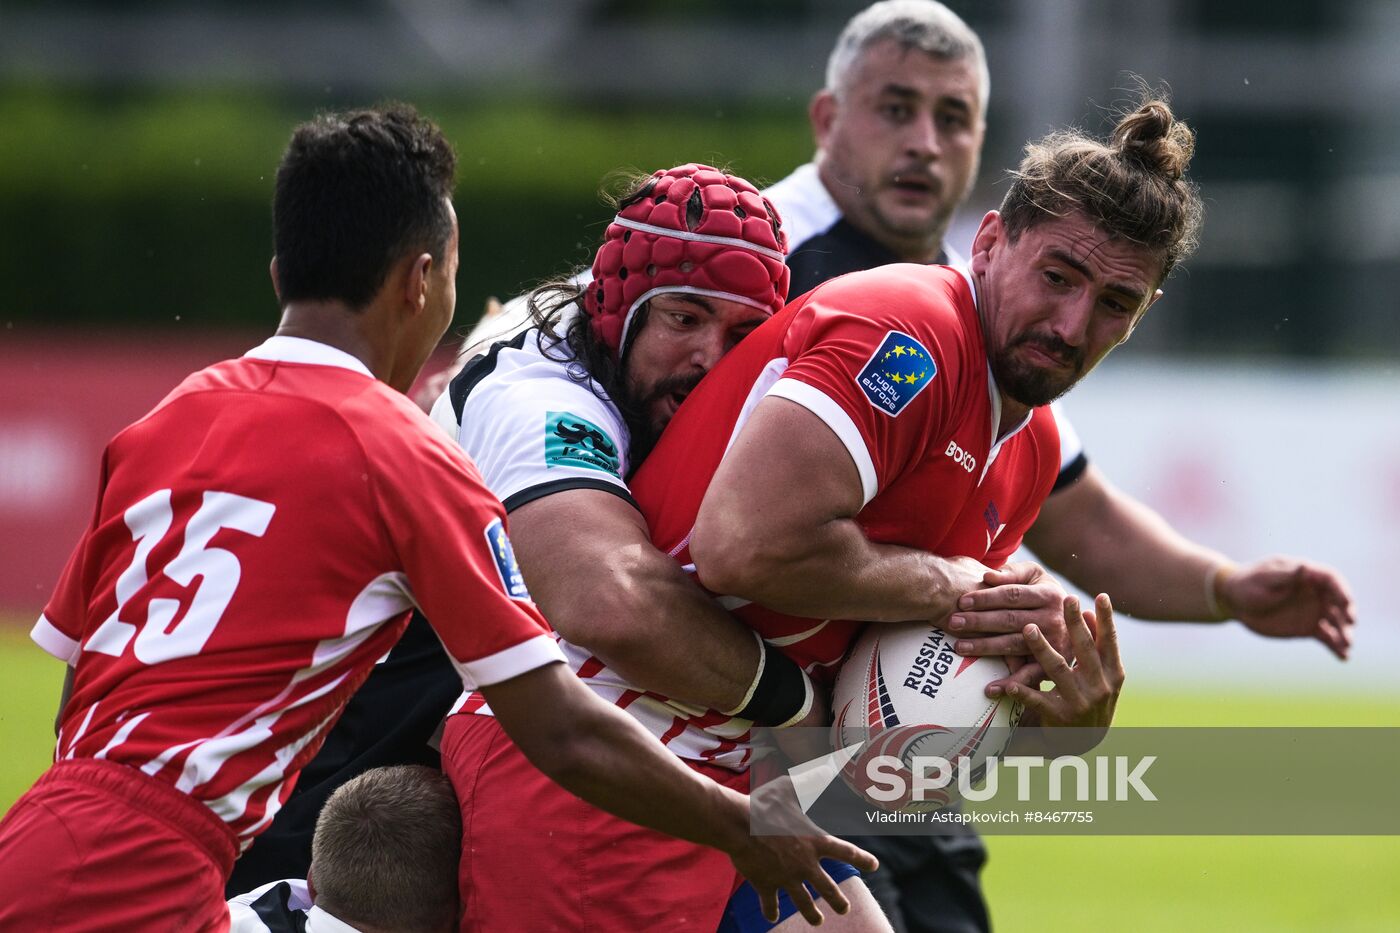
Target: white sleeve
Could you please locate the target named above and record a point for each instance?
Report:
(277, 900)
(514, 317)
(1073, 459)
(533, 431)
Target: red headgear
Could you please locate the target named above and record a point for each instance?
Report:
(694, 230)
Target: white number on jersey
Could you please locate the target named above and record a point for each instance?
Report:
(149, 521)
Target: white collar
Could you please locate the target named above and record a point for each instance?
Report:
(302, 350)
(318, 921)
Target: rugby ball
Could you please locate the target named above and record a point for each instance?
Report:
(906, 697)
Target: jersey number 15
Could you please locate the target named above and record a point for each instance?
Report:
(149, 521)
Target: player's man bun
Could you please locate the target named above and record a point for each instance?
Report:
(1134, 187)
(1154, 136)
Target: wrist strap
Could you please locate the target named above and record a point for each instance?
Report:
(781, 692)
(1214, 574)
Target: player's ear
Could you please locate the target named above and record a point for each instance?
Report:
(417, 283)
(821, 112)
(990, 233)
(1143, 313)
(276, 283)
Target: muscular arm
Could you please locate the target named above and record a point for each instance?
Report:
(776, 530)
(591, 568)
(1104, 541)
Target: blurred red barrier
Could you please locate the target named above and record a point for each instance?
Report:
(62, 397)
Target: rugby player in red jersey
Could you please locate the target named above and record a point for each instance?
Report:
(258, 542)
(852, 512)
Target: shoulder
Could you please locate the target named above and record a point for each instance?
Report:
(393, 431)
(512, 388)
(932, 302)
(804, 204)
(531, 420)
(255, 397)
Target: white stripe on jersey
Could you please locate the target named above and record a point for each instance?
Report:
(820, 404)
(73, 742)
(205, 761)
(234, 804)
(509, 662)
(385, 597)
(122, 734)
(800, 636)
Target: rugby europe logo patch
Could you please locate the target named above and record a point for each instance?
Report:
(504, 556)
(573, 441)
(898, 370)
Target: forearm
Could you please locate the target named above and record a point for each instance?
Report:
(659, 630)
(773, 530)
(613, 593)
(832, 570)
(1103, 541)
(601, 754)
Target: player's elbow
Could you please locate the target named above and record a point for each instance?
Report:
(567, 761)
(732, 559)
(609, 617)
(607, 627)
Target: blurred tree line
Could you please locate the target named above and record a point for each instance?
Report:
(143, 209)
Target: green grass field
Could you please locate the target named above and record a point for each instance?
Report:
(1148, 884)
(1161, 883)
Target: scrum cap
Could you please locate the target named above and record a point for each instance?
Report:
(693, 229)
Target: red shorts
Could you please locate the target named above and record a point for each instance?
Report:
(535, 857)
(96, 845)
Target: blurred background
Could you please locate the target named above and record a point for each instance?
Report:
(1258, 406)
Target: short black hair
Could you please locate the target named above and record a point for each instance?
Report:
(355, 192)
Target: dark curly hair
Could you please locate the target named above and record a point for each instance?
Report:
(356, 192)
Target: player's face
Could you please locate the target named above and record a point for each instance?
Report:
(1056, 300)
(899, 151)
(682, 338)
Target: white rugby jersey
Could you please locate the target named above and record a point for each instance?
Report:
(534, 423)
(534, 429)
(281, 907)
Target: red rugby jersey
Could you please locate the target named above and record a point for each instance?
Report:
(258, 542)
(892, 360)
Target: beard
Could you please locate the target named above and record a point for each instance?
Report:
(1032, 385)
(640, 412)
